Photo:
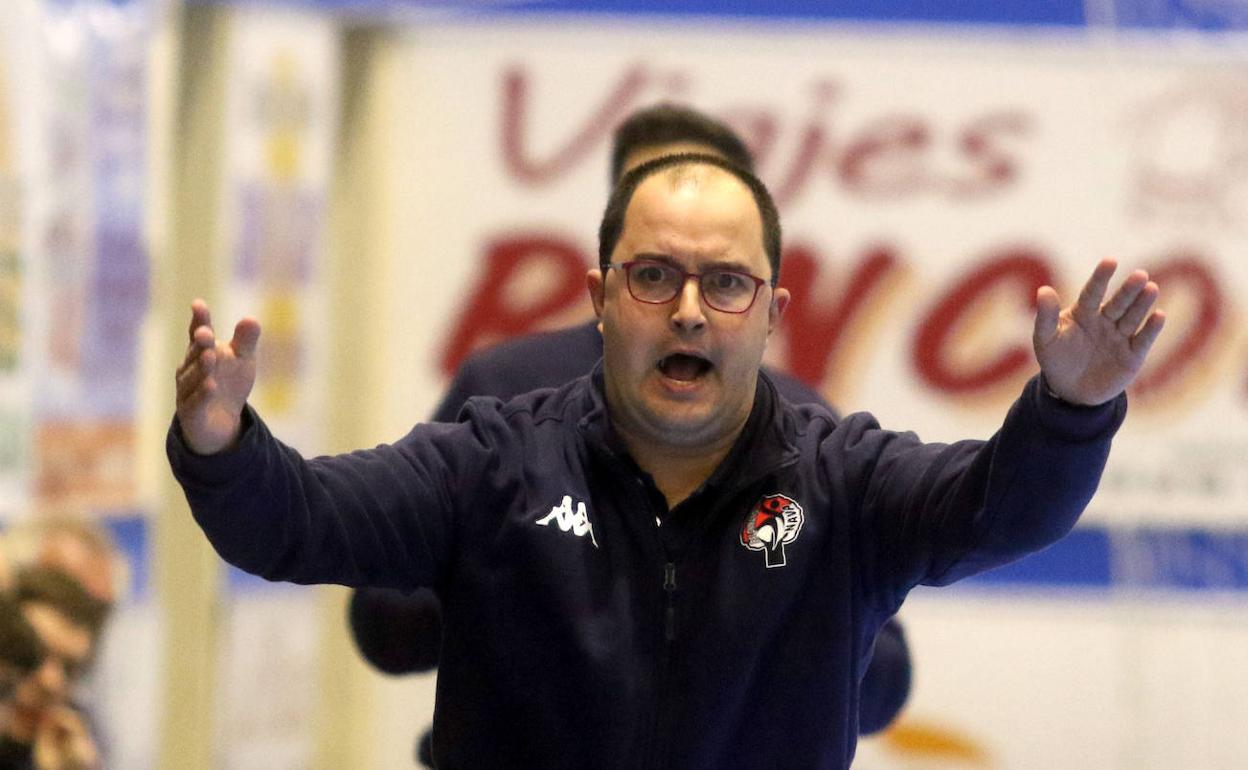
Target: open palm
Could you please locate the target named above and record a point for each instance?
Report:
(214, 381)
(1091, 351)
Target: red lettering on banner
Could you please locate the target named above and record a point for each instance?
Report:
(1023, 269)
(1185, 271)
(491, 313)
(886, 160)
(810, 148)
(980, 144)
(889, 157)
(757, 130)
(621, 100)
(822, 329)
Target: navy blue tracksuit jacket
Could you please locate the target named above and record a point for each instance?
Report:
(587, 626)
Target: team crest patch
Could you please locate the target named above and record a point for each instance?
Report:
(771, 525)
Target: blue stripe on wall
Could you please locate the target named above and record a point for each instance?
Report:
(1081, 559)
(1222, 16)
(1054, 12)
(132, 535)
(1144, 559)
(1131, 14)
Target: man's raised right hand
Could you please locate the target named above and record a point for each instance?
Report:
(214, 381)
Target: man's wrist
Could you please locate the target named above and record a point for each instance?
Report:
(1053, 394)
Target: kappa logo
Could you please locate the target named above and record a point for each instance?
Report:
(771, 525)
(575, 522)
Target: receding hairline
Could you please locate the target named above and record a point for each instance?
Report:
(696, 174)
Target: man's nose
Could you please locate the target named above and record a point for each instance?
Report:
(688, 314)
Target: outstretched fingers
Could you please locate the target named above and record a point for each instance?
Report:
(1147, 335)
(203, 343)
(200, 316)
(200, 334)
(1089, 302)
(246, 337)
(1141, 305)
(193, 375)
(1124, 300)
(1048, 313)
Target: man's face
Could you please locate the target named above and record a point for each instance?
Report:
(681, 374)
(68, 648)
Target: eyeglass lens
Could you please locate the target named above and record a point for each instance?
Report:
(725, 290)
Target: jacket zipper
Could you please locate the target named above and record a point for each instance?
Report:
(661, 720)
(669, 591)
(652, 756)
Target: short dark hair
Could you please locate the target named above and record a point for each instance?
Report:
(51, 586)
(613, 217)
(670, 123)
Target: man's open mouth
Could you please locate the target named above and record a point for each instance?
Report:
(684, 367)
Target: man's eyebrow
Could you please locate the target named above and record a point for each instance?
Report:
(666, 258)
(715, 264)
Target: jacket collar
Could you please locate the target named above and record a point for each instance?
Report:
(764, 446)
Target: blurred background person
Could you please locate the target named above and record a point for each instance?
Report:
(45, 729)
(80, 549)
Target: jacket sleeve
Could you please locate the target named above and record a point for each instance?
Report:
(935, 513)
(384, 516)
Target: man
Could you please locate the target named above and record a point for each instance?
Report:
(663, 563)
(401, 633)
(43, 730)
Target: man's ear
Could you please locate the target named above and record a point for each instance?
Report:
(779, 301)
(596, 283)
(775, 311)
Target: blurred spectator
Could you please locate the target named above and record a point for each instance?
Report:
(82, 549)
(44, 730)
